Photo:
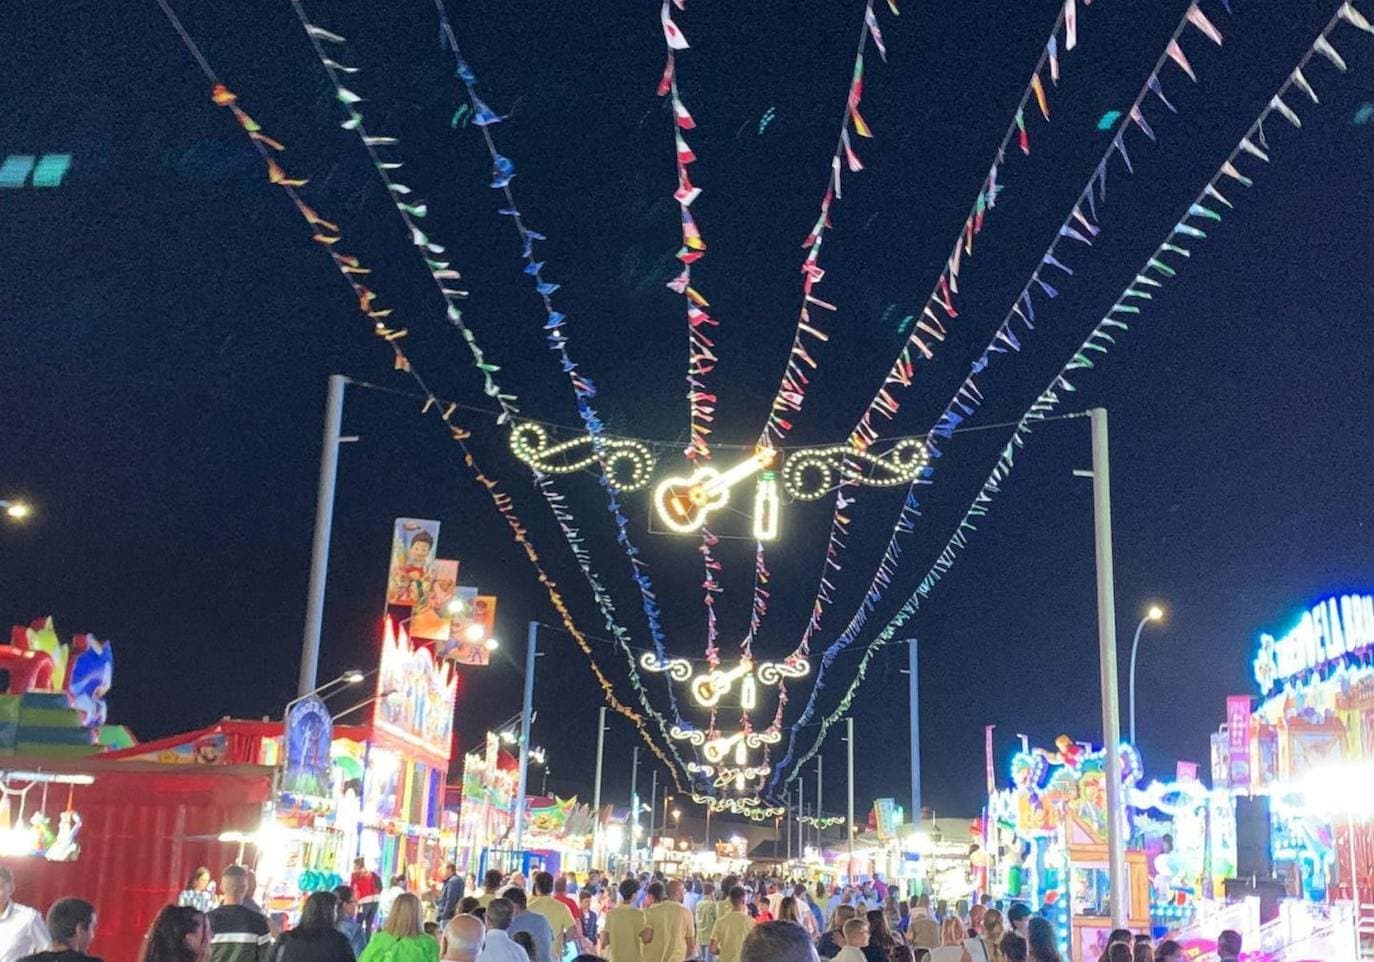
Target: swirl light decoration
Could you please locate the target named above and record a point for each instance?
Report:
(811, 473)
(531, 444)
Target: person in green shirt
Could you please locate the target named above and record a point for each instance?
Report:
(706, 914)
(622, 934)
(402, 938)
(727, 937)
(672, 931)
(559, 915)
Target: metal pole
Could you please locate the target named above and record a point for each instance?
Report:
(801, 814)
(1106, 642)
(915, 712)
(324, 521)
(596, 792)
(787, 823)
(849, 732)
(634, 807)
(1135, 644)
(820, 808)
(653, 811)
(531, 647)
(709, 847)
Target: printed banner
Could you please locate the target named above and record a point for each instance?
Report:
(1238, 739)
(412, 557)
(1186, 771)
(885, 817)
(309, 735)
(432, 620)
(471, 629)
(1221, 761)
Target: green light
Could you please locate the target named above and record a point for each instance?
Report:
(15, 170)
(51, 169)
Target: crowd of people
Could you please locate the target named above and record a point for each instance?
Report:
(641, 918)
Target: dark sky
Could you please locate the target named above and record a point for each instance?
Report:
(166, 329)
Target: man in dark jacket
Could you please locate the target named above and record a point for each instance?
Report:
(452, 894)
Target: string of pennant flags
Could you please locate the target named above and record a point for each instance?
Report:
(328, 235)
(1080, 225)
(929, 329)
(701, 357)
(1160, 267)
(555, 322)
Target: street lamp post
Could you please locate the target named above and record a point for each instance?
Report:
(1155, 613)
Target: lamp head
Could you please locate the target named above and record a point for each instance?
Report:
(1155, 613)
(18, 510)
(353, 677)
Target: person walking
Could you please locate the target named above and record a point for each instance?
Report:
(461, 939)
(450, 895)
(237, 933)
(952, 935)
(562, 922)
(316, 937)
(987, 945)
(923, 932)
(22, 931)
(621, 935)
(672, 930)
(855, 935)
(706, 919)
(497, 945)
(347, 919)
(523, 920)
(367, 886)
(1042, 943)
(402, 937)
(1228, 946)
(180, 933)
(728, 934)
(778, 941)
(833, 939)
(72, 924)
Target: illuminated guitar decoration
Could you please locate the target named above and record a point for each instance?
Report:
(709, 687)
(753, 807)
(685, 503)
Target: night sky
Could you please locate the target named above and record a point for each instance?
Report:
(167, 327)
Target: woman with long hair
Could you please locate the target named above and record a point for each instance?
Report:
(316, 937)
(180, 933)
(402, 938)
(787, 910)
(952, 934)
(833, 939)
(198, 894)
(1041, 942)
(880, 940)
(987, 945)
(1120, 952)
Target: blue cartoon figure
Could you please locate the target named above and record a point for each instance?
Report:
(91, 677)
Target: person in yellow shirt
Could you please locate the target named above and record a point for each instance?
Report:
(623, 927)
(727, 937)
(559, 915)
(491, 887)
(672, 930)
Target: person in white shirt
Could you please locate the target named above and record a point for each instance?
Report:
(22, 931)
(855, 940)
(497, 946)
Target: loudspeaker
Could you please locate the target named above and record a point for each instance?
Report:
(1253, 833)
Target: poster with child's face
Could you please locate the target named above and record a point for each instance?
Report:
(413, 545)
(432, 620)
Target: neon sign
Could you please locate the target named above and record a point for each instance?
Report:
(1329, 631)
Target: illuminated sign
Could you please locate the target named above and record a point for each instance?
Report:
(415, 696)
(1328, 632)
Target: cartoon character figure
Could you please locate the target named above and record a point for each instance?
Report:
(42, 636)
(41, 829)
(30, 669)
(210, 749)
(65, 847)
(1067, 753)
(92, 676)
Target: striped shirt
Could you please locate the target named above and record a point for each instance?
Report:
(238, 934)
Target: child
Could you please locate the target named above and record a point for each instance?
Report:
(855, 940)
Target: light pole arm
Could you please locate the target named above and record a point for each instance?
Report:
(1135, 646)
